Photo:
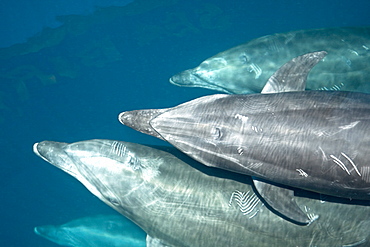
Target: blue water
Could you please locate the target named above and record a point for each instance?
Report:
(68, 82)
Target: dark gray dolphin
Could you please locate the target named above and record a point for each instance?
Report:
(178, 205)
(313, 140)
(95, 231)
(246, 68)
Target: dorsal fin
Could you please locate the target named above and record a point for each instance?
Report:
(292, 76)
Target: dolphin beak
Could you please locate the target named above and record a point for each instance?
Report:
(36, 151)
(182, 79)
(54, 153)
(39, 230)
(49, 232)
(140, 120)
(190, 78)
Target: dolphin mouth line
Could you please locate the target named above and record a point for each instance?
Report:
(209, 85)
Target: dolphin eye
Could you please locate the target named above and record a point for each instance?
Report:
(134, 163)
(216, 133)
(244, 58)
(131, 161)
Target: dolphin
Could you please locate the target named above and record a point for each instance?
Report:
(95, 231)
(178, 205)
(313, 140)
(245, 68)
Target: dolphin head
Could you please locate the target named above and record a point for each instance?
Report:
(193, 127)
(54, 233)
(97, 230)
(197, 129)
(182, 125)
(235, 71)
(216, 73)
(118, 173)
(53, 152)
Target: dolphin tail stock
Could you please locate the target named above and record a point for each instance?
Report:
(292, 75)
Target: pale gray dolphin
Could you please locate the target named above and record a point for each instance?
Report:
(313, 140)
(246, 68)
(95, 231)
(177, 205)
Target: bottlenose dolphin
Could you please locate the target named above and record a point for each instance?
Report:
(245, 68)
(95, 231)
(178, 205)
(313, 140)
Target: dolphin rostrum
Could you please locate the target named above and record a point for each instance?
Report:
(95, 231)
(313, 140)
(246, 68)
(180, 206)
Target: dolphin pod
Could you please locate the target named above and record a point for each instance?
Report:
(285, 139)
(178, 205)
(245, 68)
(95, 231)
(313, 140)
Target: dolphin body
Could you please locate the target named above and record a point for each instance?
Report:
(178, 205)
(95, 231)
(313, 140)
(245, 68)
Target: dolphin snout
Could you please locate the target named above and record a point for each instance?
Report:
(125, 118)
(34, 148)
(140, 120)
(183, 79)
(39, 150)
(39, 230)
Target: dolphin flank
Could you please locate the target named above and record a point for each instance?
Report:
(180, 206)
(245, 68)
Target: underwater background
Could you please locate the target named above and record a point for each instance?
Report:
(68, 68)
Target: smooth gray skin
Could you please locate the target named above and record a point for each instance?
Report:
(314, 140)
(245, 68)
(177, 205)
(95, 231)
